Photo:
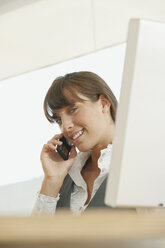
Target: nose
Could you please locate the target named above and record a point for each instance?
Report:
(67, 124)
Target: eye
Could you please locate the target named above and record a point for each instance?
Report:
(72, 110)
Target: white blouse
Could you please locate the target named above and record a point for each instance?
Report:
(47, 205)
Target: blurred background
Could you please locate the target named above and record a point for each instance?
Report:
(39, 41)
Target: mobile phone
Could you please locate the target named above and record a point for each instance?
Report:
(65, 148)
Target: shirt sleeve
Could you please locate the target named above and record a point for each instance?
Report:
(45, 205)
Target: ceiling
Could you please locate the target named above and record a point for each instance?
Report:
(39, 33)
(9, 5)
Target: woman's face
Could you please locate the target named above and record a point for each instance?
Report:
(85, 123)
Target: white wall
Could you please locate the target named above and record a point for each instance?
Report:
(24, 128)
(19, 198)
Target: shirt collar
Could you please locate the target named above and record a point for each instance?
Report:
(105, 159)
(103, 163)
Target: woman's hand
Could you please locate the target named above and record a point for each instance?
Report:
(55, 168)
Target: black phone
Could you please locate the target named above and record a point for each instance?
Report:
(65, 148)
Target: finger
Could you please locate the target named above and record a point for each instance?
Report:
(47, 148)
(55, 139)
(57, 136)
(54, 142)
(51, 146)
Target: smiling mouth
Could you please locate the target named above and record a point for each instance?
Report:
(77, 135)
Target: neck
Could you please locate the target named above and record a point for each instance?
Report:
(107, 139)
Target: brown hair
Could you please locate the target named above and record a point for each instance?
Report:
(86, 83)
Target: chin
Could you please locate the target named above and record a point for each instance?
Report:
(83, 148)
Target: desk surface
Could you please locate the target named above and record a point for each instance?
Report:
(96, 228)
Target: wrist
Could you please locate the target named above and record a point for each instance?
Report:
(51, 186)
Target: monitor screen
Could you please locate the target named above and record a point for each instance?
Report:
(137, 170)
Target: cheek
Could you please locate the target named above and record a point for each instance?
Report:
(88, 120)
(83, 119)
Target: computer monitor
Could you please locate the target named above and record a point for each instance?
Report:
(137, 168)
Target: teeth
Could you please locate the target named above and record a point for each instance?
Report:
(77, 135)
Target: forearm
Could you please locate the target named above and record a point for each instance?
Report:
(51, 186)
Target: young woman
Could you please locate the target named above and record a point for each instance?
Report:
(84, 107)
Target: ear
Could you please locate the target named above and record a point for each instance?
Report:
(105, 103)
